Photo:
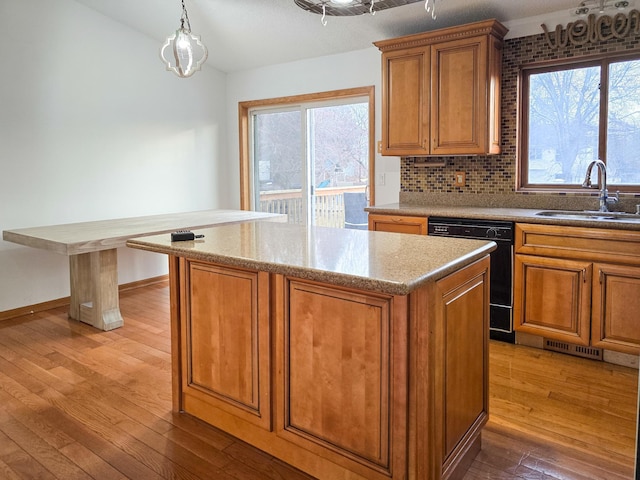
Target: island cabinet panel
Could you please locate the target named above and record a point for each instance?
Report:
(464, 324)
(225, 341)
(461, 347)
(337, 373)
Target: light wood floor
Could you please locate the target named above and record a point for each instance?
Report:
(77, 403)
(554, 416)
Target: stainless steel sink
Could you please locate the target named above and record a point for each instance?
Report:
(590, 215)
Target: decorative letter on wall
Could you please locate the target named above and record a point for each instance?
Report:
(593, 29)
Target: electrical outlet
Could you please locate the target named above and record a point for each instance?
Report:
(459, 180)
(381, 178)
(379, 146)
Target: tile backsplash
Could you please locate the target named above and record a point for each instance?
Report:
(495, 175)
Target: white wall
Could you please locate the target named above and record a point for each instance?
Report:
(92, 127)
(354, 69)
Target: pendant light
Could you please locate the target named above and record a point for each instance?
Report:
(346, 8)
(587, 6)
(183, 53)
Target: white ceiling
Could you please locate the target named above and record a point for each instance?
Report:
(243, 34)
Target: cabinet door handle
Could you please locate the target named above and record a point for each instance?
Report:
(584, 275)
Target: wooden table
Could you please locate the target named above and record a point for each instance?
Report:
(92, 251)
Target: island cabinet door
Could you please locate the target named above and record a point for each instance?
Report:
(224, 335)
(341, 381)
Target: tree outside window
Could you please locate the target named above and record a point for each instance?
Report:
(578, 113)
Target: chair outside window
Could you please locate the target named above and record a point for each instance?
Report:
(355, 216)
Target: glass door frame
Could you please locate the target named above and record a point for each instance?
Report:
(247, 181)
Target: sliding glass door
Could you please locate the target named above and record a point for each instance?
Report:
(311, 161)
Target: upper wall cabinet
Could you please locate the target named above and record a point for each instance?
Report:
(441, 91)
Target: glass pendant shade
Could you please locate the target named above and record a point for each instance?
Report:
(180, 50)
(183, 53)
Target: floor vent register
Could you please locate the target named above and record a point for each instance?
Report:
(571, 349)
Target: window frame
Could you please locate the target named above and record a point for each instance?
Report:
(244, 118)
(522, 160)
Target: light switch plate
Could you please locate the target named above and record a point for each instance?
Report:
(459, 180)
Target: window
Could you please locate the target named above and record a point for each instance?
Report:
(309, 157)
(573, 114)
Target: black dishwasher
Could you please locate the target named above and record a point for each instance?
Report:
(501, 292)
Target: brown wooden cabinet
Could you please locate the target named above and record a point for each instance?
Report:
(578, 285)
(554, 298)
(441, 91)
(339, 382)
(340, 393)
(616, 308)
(397, 223)
(406, 101)
(225, 343)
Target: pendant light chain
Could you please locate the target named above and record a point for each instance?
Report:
(185, 17)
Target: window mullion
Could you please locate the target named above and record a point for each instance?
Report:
(604, 112)
(305, 135)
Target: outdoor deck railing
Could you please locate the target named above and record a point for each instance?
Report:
(328, 204)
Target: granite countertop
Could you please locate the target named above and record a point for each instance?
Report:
(523, 215)
(391, 263)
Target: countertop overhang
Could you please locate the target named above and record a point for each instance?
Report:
(524, 215)
(391, 263)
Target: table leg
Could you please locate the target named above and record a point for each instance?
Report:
(94, 289)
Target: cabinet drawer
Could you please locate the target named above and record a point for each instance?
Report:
(593, 244)
(398, 224)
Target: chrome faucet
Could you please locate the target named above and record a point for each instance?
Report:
(604, 197)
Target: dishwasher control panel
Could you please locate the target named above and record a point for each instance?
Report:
(471, 228)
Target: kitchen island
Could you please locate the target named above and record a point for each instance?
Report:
(347, 354)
